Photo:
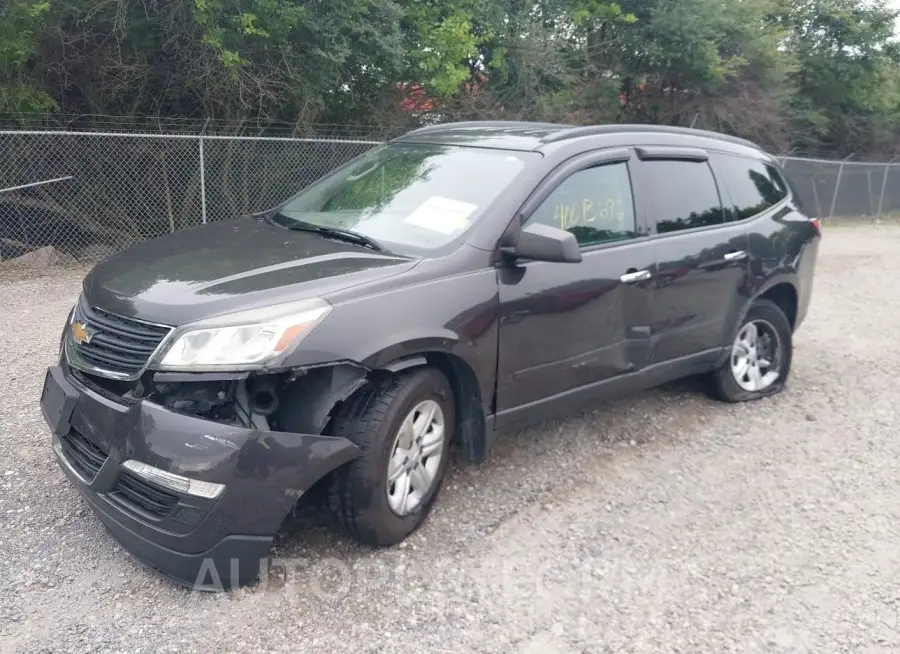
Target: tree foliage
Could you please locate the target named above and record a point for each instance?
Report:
(818, 75)
(20, 25)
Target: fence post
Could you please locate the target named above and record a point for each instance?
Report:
(784, 157)
(815, 190)
(202, 184)
(837, 186)
(869, 187)
(887, 170)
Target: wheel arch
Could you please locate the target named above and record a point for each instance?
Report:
(780, 290)
(784, 295)
(468, 360)
(471, 426)
(781, 296)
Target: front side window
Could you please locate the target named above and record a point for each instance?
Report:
(594, 204)
(682, 195)
(753, 186)
(413, 198)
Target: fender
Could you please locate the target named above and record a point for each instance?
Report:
(473, 387)
(400, 346)
(412, 349)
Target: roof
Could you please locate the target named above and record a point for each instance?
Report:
(525, 136)
(504, 134)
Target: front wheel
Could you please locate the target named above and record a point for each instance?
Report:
(404, 428)
(760, 358)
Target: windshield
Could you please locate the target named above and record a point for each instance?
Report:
(409, 197)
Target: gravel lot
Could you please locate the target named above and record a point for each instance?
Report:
(661, 523)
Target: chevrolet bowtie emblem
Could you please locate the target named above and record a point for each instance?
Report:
(80, 333)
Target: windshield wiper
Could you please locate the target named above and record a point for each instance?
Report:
(336, 233)
(351, 236)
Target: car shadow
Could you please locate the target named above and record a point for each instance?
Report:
(515, 470)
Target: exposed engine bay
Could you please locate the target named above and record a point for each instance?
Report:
(299, 401)
(246, 402)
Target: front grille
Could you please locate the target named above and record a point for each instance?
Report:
(83, 455)
(111, 389)
(147, 497)
(117, 344)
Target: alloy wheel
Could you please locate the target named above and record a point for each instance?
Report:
(755, 356)
(415, 457)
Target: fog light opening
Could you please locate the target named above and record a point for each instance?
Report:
(264, 402)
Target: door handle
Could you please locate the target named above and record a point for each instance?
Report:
(740, 255)
(635, 276)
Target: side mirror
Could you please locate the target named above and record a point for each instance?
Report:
(541, 242)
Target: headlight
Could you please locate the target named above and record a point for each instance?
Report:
(248, 339)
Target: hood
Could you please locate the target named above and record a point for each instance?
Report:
(230, 266)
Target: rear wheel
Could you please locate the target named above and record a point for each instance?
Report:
(760, 358)
(404, 429)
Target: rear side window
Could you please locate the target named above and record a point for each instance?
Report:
(752, 186)
(682, 195)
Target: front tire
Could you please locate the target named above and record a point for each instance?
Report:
(759, 362)
(404, 428)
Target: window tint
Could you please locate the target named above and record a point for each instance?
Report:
(594, 204)
(753, 186)
(682, 195)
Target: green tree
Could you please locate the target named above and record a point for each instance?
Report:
(846, 93)
(705, 63)
(19, 22)
(311, 59)
(819, 75)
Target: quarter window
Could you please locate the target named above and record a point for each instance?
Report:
(594, 204)
(753, 186)
(682, 195)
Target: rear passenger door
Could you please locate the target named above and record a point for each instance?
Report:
(753, 191)
(702, 257)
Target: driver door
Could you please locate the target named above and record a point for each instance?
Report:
(569, 330)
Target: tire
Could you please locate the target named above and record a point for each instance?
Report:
(358, 496)
(727, 383)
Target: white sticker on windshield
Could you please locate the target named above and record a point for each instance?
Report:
(442, 215)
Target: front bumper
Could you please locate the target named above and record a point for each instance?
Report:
(208, 544)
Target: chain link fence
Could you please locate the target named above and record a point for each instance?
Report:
(846, 189)
(89, 194)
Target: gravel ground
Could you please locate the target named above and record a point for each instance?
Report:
(661, 523)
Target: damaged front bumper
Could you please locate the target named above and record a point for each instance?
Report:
(208, 536)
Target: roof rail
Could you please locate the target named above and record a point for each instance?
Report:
(487, 123)
(616, 128)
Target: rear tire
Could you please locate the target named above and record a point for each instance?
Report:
(759, 360)
(397, 420)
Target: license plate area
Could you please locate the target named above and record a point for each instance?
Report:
(58, 400)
